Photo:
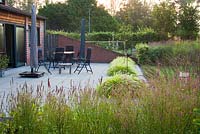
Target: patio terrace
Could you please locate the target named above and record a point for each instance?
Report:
(12, 80)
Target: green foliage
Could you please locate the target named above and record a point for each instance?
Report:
(165, 106)
(135, 13)
(121, 65)
(94, 115)
(188, 27)
(25, 113)
(164, 18)
(124, 105)
(166, 109)
(179, 54)
(142, 53)
(119, 85)
(102, 21)
(196, 121)
(143, 35)
(3, 61)
(100, 36)
(56, 114)
(57, 16)
(66, 16)
(70, 35)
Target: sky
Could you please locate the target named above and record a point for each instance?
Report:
(107, 3)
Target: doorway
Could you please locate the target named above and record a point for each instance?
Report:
(9, 40)
(15, 45)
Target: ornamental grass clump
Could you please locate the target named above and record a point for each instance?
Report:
(93, 114)
(122, 65)
(56, 114)
(119, 85)
(38, 112)
(24, 108)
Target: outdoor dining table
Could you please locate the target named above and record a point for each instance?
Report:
(65, 52)
(60, 65)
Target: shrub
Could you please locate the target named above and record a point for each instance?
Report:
(142, 53)
(176, 54)
(100, 36)
(3, 61)
(119, 85)
(122, 65)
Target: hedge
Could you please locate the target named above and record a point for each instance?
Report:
(131, 38)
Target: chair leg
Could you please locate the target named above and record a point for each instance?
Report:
(47, 68)
(81, 68)
(70, 69)
(78, 66)
(90, 68)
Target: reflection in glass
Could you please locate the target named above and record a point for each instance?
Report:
(20, 46)
(2, 49)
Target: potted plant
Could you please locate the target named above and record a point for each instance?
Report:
(3, 64)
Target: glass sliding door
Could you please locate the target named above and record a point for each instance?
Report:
(9, 43)
(20, 47)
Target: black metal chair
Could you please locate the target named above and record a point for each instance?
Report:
(76, 59)
(58, 56)
(42, 62)
(69, 57)
(85, 63)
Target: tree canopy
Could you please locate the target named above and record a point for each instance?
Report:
(168, 18)
(68, 16)
(136, 13)
(164, 18)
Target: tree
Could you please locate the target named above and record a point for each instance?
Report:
(66, 16)
(103, 21)
(188, 26)
(164, 18)
(24, 5)
(57, 16)
(84, 7)
(136, 14)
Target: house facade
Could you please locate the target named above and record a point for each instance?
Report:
(15, 34)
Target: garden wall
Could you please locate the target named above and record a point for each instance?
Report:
(99, 55)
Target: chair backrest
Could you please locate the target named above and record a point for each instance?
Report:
(59, 52)
(69, 48)
(89, 53)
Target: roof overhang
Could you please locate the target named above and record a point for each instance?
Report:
(18, 11)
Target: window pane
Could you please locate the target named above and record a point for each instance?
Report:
(2, 49)
(20, 48)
